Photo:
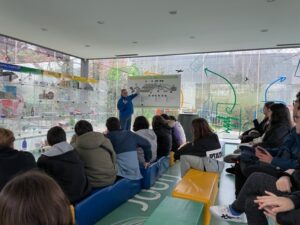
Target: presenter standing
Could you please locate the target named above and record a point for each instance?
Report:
(125, 108)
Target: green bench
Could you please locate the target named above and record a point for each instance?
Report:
(175, 211)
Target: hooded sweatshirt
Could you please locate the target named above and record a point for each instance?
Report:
(98, 155)
(63, 164)
(179, 133)
(150, 136)
(125, 144)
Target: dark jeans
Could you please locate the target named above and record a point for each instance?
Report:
(243, 171)
(125, 123)
(249, 164)
(256, 185)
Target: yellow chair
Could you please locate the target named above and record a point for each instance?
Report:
(199, 186)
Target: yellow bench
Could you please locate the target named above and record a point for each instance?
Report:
(200, 187)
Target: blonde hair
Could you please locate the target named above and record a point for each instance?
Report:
(6, 137)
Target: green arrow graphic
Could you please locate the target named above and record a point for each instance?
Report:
(229, 110)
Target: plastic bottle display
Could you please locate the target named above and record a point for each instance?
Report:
(24, 145)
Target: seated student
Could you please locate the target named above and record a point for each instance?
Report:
(198, 154)
(289, 182)
(97, 153)
(248, 200)
(125, 145)
(283, 210)
(33, 198)
(259, 128)
(163, 133)
(12, 162)
(63, 164)
(275, 134)
(141, 128)
(171, 124)
(252, 159)
(178, 132)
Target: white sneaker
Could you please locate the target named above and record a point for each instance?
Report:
(223, 213)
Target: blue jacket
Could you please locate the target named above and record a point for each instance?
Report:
(286, 156)
(125, 105)
(125, 144)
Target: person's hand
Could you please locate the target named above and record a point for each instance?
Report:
(265, 157)
(146, 165)
(284, 184)
(274, 203)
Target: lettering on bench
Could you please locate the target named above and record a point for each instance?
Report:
(158, 186)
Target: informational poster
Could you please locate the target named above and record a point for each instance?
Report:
(155, 91)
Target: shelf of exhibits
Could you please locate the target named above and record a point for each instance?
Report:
(32, 101)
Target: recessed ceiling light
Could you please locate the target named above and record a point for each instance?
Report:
(127, 55)
(87, 46)
(173, 12)
(264, 30)
(270, 0)
(100, 22)
(135, 42)
(44, 29)
(192, 37)
(291, 44)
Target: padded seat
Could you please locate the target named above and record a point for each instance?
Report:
(154, 171)
(199, 186)
(175, 211)
(102, 201)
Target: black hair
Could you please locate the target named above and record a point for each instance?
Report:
(82, 127)
(165, 116)
(280, 114)
(113, 124)
(140, 123)
(172, 118)
(269, 104)
(56, 135)
(158, 122)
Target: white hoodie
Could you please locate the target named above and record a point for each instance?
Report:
(150, 136)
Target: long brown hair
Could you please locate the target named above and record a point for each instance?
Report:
(200, 128)
(33, 198)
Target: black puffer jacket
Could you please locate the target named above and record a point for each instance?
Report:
(14, 162)
(199, 147)
(164, 140)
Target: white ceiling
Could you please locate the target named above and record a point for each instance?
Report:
(217, 25)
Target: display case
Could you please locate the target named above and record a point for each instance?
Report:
(32, 101)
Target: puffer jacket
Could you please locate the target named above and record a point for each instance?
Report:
(98, 155)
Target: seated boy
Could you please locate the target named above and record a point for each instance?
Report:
(125, 145)
(63, 164)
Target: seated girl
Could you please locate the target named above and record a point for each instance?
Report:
(203, 153)
(163, 133)
(141, 128)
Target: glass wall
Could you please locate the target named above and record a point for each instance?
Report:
(228, 89)
(38, 90)
(22, 53)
